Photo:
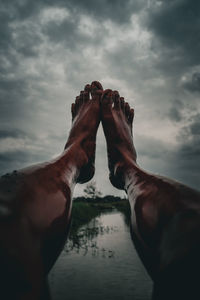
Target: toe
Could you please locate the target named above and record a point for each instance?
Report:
(87, 88)
(116, 99)
(122, 104)
(131, 116)
(127, 110)
(96, 90)
(81, 97)
(86, 95)
(73, 110)
(97, 84)
(77, 104)
(106, 99)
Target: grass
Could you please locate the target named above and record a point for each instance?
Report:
(84, 211)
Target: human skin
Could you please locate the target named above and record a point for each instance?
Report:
(165, 214)
(36, 202)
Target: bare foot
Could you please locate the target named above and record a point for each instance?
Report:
(117, 119)
(85, 122)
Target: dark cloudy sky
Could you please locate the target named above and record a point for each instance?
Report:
(149, 50)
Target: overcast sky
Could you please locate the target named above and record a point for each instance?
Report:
(148, 50)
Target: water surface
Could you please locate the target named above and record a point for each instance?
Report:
(102, 265)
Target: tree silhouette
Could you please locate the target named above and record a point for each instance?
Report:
(91, 190)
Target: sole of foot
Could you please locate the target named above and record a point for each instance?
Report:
(117, 119)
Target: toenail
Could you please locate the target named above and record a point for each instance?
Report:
(109, 95)
(87, 87)
(96, 85)
(116, 93)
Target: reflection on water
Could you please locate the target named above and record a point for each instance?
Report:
(100, 262)
(87, 238)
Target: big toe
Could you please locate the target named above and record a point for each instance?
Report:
(96, 90)
(107, 100)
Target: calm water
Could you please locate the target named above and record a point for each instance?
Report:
(104, 264)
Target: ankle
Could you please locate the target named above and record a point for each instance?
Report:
(121, 173)
(74, 156)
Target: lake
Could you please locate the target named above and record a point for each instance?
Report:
(102, 264)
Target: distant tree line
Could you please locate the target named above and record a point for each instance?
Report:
(104, 199)
(92, 194)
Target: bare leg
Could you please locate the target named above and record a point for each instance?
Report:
(35, 204)
(165, 214)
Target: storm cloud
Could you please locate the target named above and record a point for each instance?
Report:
(148, 50)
